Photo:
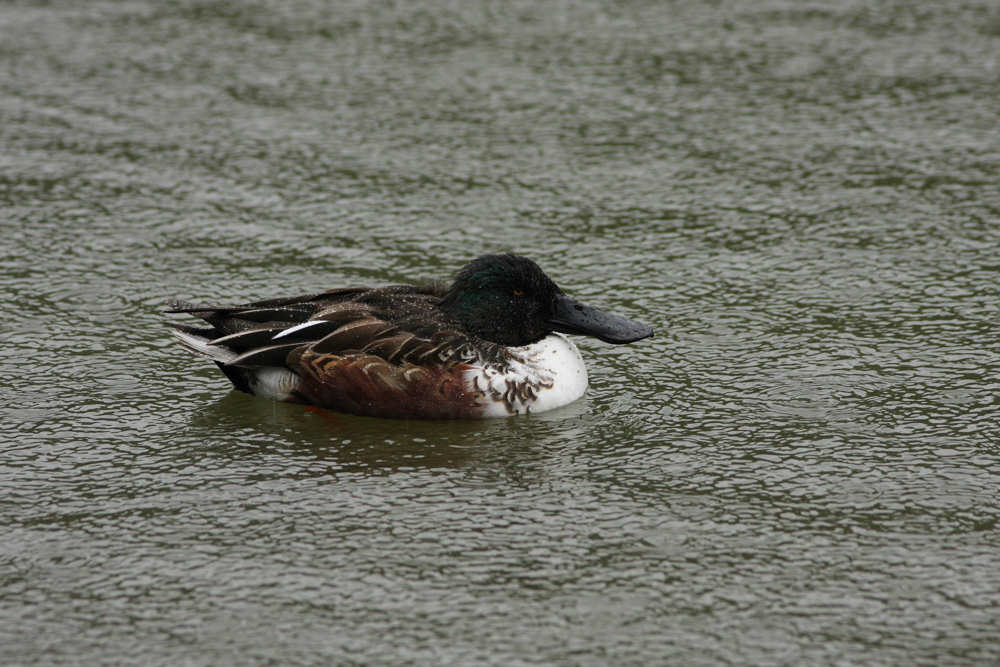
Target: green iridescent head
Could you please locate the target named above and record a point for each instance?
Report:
(508, 299)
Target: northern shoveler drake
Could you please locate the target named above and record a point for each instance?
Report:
(489, 345)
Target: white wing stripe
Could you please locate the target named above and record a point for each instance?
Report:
(298, 327)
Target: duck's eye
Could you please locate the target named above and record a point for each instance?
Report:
(518, 292)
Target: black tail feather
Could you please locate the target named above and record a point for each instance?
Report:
(238, 376)
(204, 332)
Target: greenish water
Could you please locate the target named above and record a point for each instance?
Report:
(801, 467)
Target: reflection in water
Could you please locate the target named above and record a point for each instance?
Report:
(354, 442)
(489, 451)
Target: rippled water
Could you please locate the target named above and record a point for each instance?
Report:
(800, 467)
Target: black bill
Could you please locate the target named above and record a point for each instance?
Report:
(573, 317)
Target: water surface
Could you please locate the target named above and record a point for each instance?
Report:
(801, 466)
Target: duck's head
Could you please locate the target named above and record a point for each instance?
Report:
(508, 299)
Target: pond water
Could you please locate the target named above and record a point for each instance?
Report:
(801, 466)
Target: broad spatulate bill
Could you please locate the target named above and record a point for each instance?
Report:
(491, 344)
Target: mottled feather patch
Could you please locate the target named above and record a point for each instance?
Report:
(367, 385)
(538, 377)
(385, 352)
(390, 348)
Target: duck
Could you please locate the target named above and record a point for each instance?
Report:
(492, 343)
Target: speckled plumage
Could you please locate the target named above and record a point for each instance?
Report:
(402, 351)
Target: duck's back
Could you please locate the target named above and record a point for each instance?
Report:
(386, 351)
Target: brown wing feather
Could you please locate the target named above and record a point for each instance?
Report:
(343, 312)
(353, 335)
(386, 352)
(391, 347)
(365, 384)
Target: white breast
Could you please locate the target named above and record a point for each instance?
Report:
(541, 376)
